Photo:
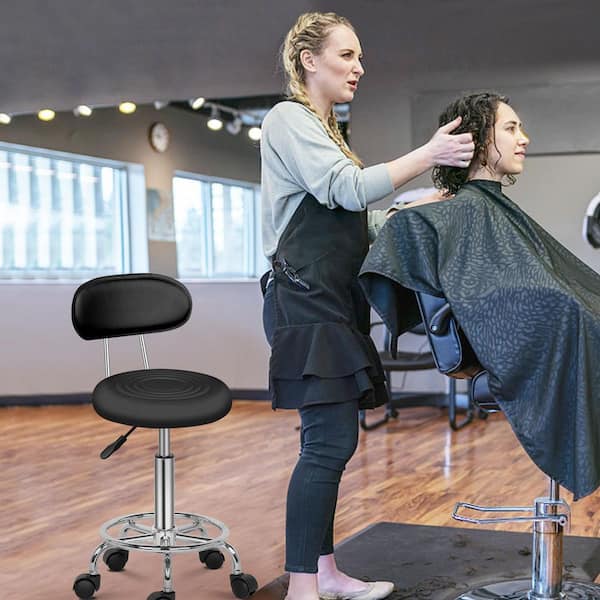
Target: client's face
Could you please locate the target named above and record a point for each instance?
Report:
(506, 153)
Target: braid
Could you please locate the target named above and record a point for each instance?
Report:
(334, 132)
(309, 33)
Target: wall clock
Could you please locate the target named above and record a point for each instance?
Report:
(159, 137)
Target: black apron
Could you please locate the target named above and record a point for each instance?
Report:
(316, 316)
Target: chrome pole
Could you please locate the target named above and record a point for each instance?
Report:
(554, 490)
(546, 576)
(106, 359)
(164, 483)
(144, 353)
(167, 573)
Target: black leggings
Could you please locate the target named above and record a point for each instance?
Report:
(328, 440)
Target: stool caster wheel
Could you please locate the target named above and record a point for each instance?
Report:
(243, 585)
(213, 559)
(161, 596)
(116, 558)
(85, 585)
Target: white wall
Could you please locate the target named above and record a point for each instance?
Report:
(42, 354)
(555, 191)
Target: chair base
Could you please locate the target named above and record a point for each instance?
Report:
(190, 533)
(177, 539)
(521, 590)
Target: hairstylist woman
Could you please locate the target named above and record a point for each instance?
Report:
(316, 231)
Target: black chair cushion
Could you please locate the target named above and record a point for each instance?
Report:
(134, 303)
(162, 398)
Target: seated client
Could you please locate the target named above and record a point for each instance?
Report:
(529, 308)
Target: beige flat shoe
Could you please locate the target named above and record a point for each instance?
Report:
(376, 590)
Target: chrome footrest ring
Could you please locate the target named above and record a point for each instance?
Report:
(166, 540)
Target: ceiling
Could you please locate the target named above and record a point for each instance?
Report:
(63, 53)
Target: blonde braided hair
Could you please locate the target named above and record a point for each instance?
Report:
(310, 33)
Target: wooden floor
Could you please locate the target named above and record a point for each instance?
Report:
(55, 491)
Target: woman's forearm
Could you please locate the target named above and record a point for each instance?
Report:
(405, 168)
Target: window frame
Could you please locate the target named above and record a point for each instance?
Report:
(254, 254)
(130, 257)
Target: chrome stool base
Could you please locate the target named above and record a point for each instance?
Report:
(178, 539)
(190, 533)
(164, 532)
(520, 590)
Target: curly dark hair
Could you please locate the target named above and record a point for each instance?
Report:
(478, 112)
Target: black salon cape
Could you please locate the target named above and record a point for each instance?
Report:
(528, 306)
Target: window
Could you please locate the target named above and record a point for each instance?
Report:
(217, 228)
(61, 215)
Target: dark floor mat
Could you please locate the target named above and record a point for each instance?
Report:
(439, 563)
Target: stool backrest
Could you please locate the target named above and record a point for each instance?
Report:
(138, 303)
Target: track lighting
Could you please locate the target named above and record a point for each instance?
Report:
(237, 118)
(254, 133)
(214, 123)
(197, 103)
(127, 107)
(46, 114)
(82, 110)
(235, 126)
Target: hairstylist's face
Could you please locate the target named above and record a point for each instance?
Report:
(506, 153)
(334, 73)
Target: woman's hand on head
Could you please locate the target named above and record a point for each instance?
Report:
(448, 149)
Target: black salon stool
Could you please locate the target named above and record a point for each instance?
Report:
(161, 399)
(549, 514)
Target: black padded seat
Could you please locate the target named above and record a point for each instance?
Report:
(162, 398)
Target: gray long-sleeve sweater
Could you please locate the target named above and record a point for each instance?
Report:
(297, 157)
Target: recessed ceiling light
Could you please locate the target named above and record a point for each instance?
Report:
(46, 114)
(127, 107)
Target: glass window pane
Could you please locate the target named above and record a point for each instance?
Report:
(215, 224)
(190, 230)
(230, 214)
(59, 217)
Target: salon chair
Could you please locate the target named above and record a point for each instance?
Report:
(160, 399)
(550, 515)
(404, 362)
